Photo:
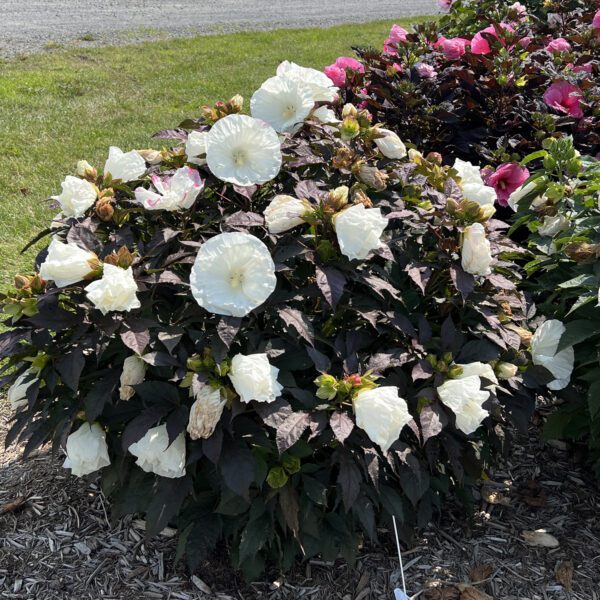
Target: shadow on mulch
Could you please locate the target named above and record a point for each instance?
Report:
(60, 543)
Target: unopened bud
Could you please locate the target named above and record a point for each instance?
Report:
(486, 212)
(582, 252)
(104, 209)
(506, 370)
(327, 385)
(371, 176)
(152, 157)
(434, 157)
(236, 104)
(349, 110)
(37, 284)
(343, 159)
(349, 128)
(21, 282)
(86, 171)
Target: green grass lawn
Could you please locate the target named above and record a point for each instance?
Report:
(59, 107)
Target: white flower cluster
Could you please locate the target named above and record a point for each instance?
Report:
(473, 187)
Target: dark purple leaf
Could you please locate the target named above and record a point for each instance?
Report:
(245, 219)
(464, 282)
(331, 282)
(227, 329)
(349, 479)
(275, 413)
(294, 318)
(342, 425)
(431, 422)
(101, 394)
(171, 134)
(321, 362)
(70, 367)
(237, 468)
(138, 427)
(290, 431)
(136, 340)
(422, 370)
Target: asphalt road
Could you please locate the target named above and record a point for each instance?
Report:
(32, 25)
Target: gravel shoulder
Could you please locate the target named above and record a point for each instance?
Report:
(60, 543)
(35, 25)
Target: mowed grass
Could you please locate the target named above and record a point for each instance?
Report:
(57, 108)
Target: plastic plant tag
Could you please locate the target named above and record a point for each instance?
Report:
(400, 595)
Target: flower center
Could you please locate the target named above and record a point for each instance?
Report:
(239, 157)
(236, 279)
(289, 111)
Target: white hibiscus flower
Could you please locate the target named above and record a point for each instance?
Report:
(243, 150)
(382, 413)
(233, 274)
(172, 193)
(155, 455)
(473, 187)
(87, 450)
(115, 291)
(321, 86)
(285, 212)
(195, 147)
(255, 378)
(464, 397)
(282, 102)
(76, 197)
(67, 263)
(359, 230)
(126, 166)
(544, 346)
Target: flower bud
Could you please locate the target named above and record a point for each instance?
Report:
(485, 212)
(582, 252)
(434, 157)
(236, 104)
(21, 282)
(104, 209)
(86, 171)
(337, 198)
(349, 110)
(37, 284)
(343, 159)
(506, 370)
(123, 258)
(371, 176)
(327, 387)
(152, 157)
(349, 128)
(134, 371)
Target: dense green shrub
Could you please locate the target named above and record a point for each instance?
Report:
(560, 207)
(274, 340)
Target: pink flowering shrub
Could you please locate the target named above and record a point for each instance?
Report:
(497, 92)
(506, 179)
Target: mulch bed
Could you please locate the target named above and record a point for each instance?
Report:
(57, 542)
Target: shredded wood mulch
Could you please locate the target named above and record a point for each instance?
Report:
(57, 542)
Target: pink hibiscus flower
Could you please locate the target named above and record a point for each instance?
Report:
(506, 179)
(445, 5)
(337, 71)
(564, 97)
(479, 45)
(425, 71)
(453, 48)
(558, 45)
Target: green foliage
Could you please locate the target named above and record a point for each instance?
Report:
(564, 276)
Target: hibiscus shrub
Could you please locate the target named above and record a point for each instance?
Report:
(560, 208)
(277, 333)
(491, 92)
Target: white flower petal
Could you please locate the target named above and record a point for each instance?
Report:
(87, 450)
(195, 147)
(321, 86)
(126, 166)
(382, 414)
(464, 397)
(66, 264)
(243, 150)
(476, 255)
(282, 103)
(233, 274)
(284, 213)
(77, 196)
(391, 146)
(154, 455)
(115, 291)
(254, 378)
(359, 230)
